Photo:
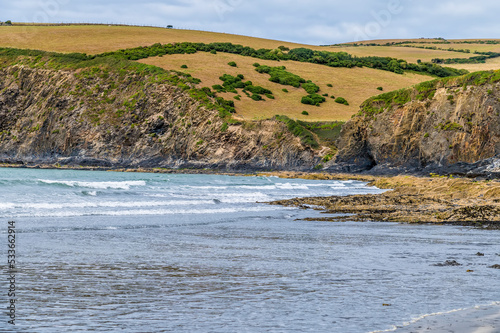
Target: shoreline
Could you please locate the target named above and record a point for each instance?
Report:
(437, 200)
(477, 319)
(410, 199)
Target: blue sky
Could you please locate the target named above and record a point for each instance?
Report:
(310, 22)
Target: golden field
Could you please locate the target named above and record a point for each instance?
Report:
(94, 39)
(355, 85)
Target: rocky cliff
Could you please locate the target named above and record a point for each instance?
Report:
(101, 116)
(447, 126)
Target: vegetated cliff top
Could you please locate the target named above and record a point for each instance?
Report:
(449, 125)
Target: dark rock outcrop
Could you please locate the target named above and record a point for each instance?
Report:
(442, 126)
(90, 117)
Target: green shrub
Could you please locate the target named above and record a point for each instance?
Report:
(258, 90)
(232, 64)
(213, 52)
(306, 137)
(313, 99)
(256, 64)
(327, 158)
(218, 88)
(281, 76)
(449, 126)
(224, 127)
(184, 66)
(341, 100)
(284, 90)
(310, 88)
(329, 85)
(231, 83)
(305, 113)
(380, 88)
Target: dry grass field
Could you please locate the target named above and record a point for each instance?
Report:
(355, 85)
(491, 64)
(94, 39)
(409, 54)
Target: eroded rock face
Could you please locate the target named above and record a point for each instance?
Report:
(50, 116)
(457, 130)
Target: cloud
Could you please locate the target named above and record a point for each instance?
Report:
(309, 22)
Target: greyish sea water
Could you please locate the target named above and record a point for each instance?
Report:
(133, 252)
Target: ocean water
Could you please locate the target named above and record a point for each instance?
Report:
(135, 252)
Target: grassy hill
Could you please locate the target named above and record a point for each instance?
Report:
(354, 84)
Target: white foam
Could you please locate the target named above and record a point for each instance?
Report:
(421, 317)
(143, 212)
(103, 204)
(123, 185)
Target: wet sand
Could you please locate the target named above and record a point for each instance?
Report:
(482, 319)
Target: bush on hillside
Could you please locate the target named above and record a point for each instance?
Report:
(341, 100)
(313, 99)
(310, 88)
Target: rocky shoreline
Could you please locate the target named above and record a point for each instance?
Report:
(409, 199)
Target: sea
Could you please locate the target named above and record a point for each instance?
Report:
(100, 251)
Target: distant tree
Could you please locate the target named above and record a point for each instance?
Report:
(394, 66)
(283, 48)
(8, 22)
(170, 26)
(301, 53)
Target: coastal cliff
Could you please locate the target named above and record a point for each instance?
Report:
(446, 126)
(94, 115)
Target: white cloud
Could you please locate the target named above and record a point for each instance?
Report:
(310, 22)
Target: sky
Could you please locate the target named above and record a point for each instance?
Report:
(316, 22)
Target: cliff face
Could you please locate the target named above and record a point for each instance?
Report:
(121, 119)
(440, 126)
